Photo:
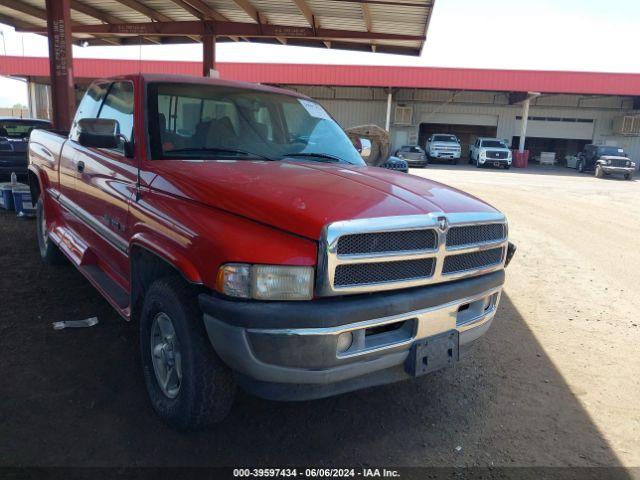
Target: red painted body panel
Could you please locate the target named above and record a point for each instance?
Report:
(198, 215)
(596, 83)
(302, 198)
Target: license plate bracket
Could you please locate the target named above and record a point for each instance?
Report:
(433, 353)
(496, 164)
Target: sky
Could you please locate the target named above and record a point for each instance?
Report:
(581, 35)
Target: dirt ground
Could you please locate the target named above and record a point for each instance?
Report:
(554, 382)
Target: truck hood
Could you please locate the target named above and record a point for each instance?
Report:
(302, 197)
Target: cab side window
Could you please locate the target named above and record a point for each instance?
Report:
(119, 106)
(90, 104)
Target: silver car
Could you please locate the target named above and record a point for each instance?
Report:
(413, 155)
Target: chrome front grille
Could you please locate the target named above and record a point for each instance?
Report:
(499, 154)
(618, 162)
(472, 261)
(476, 234)
(371, 273)
(380, 242)
(368, 255)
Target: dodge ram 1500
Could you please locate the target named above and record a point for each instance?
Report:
(237, 225)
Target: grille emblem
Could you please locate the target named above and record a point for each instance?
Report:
(443, 224)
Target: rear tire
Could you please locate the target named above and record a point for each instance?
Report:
(49, 252)
(198, 388)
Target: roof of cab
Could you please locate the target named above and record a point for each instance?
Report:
(167, 78)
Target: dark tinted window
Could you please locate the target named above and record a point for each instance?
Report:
(119, 106)
(445, 138)
(20, 128)
(407, 148)
(493, 144)
(612, 151)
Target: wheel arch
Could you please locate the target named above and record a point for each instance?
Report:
(35, 183)
(148, 263)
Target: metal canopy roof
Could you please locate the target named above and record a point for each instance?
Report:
(390, 26)
(547, 82)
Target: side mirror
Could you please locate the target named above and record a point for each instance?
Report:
(98, 132)
(365, 149)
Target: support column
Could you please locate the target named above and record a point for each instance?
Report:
(60, 62)
(31, 98)
(387, 123)
(523, 124)
(209, 51)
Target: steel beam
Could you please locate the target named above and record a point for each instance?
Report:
(208, 49)
(60, 62)
(235, 29)
(304, 7)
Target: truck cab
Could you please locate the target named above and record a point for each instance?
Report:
(490, 152)
(237, 226)
(443, 147)
(605, 160)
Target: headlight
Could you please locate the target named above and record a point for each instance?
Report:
(265, 282)
(400, 155)
(633, 164)
(483, 154)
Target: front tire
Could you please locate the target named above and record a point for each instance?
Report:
(628, 176)
(580, 167)
(599, 172)
(189, 386)
(49, 252)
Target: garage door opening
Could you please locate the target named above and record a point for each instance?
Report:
(561, 146)
(466, 133)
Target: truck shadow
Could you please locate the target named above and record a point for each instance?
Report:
(76, 397)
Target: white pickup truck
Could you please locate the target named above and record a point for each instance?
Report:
(490, 152)
(441, 146)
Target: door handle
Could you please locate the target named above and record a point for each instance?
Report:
(80, 166)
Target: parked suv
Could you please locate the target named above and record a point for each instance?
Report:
(605, 160)
(490, 152)
(237, 226)
(413, 155)
(441, 146)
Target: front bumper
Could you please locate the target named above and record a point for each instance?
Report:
(618, 170)
(289, 350)
(421, 162)
(447, 155)
(495, 161)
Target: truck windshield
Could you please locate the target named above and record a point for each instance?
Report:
(493, 144)
(612, 151)
(445, 138)
(20, 128)
(188, 121)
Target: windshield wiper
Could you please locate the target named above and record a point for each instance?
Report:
(218, 150)
(319, 156)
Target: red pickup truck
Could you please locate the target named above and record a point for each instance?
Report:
(239, 227)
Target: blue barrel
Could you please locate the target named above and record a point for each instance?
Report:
(22, 201)
(6, 196)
